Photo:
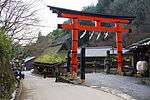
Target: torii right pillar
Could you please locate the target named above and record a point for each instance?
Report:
(120, 68)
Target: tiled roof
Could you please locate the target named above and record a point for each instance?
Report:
(145, 42)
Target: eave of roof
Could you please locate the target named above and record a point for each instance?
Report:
(28, 59)
(100, 51)
(144, 42)
(62, 10)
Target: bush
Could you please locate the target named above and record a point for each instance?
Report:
(5, 45)
(7, 80)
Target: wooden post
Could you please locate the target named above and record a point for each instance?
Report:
(82, 64)
(68, 61)
(108, 63)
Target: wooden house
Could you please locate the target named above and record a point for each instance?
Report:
(96, 56)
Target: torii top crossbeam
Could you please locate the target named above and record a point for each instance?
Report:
(99, 19)
(95, 16)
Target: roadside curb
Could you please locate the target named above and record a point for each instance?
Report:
(18, 90)
(63, 80)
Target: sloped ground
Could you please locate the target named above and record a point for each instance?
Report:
(38, 88)
(119, 85)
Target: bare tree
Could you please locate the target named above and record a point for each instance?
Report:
(17, 17)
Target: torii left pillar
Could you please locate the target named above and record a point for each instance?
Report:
(120, 69)
(74, 60)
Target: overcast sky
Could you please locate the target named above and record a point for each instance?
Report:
(50, 19)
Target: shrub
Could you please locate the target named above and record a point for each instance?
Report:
(7, 81)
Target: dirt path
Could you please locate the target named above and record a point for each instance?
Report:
(38, 88)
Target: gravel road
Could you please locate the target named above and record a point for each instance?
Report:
(119, 85)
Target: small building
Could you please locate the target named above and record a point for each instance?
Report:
(50, 69)
(141, 51)
(51, 60)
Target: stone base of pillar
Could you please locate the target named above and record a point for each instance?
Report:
(73, 76)
(82, 81)
(121, 73)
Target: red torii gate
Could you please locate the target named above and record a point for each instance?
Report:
(99, 19)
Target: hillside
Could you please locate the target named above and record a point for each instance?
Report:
(140, 26)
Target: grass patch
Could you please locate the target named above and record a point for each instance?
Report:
(51, 58)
